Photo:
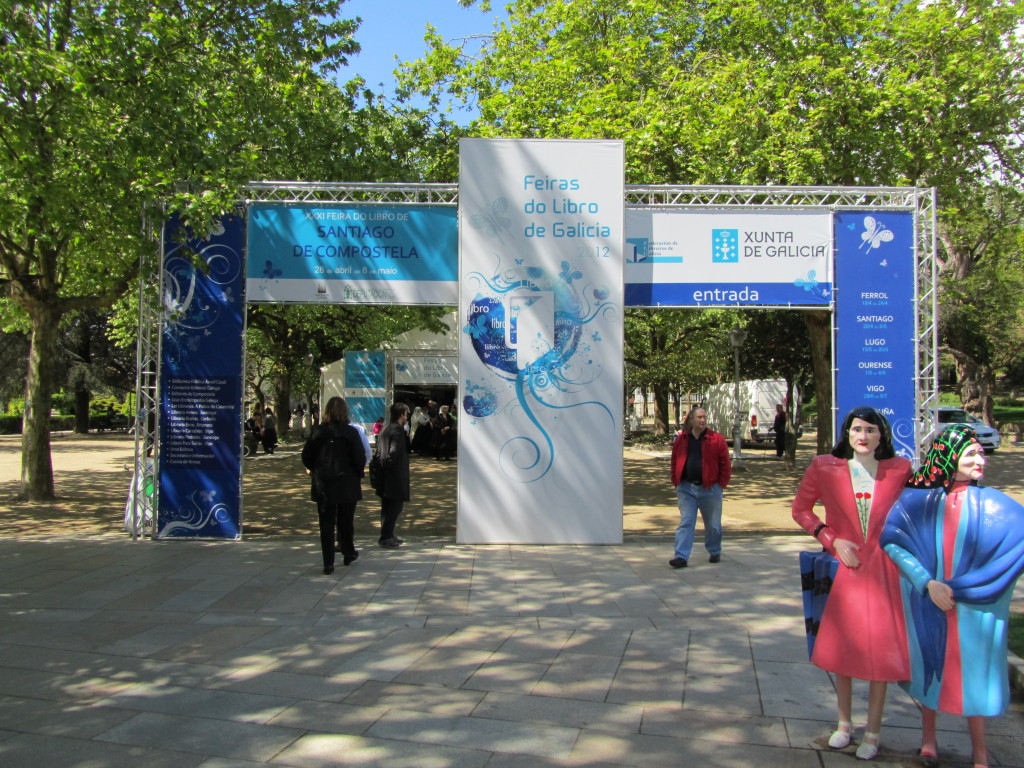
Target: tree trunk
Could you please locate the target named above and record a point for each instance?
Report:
(974, 382)
(313, 408)
(82, 398)
(661, 414)
(36, 464)
(282, 402)
(792, 420)
(819, 329)
(987, 403)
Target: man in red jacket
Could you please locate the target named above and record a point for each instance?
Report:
(700, 471)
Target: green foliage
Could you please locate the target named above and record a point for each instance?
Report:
(1015, 640)
(104, 108)
(10, 424)
(777, 346)
(16, 407)
(685, 348)
(981, 318)
(289, 334)
(754, 91)
(107, 108)
(64, 403)
(104, 405)
(1006, 413)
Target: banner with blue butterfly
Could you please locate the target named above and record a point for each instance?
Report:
(308, 253)
(201, 382)
(540, 353)
(700, 258)
(876, 319)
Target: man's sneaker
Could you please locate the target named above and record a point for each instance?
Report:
(677, 562)
(715, 559)
(389, 544)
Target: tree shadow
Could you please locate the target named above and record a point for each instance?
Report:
(92, 489)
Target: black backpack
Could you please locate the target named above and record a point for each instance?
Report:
(376, 469)
(330, 464)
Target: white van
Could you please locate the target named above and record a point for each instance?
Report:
(758, 398)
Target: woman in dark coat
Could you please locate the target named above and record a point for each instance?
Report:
(393, 449)
(268, 431)
(779, 427)
(335, 457)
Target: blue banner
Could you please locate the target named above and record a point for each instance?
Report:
(876, 311)
(364, 370)
(803, 291)
(364, 254)
(366, 410)
(201, 382)
(703, 258)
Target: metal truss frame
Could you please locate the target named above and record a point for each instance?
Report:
(142, 506)
(315, 192)
(917, 200)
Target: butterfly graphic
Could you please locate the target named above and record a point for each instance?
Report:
(491, 222)
(477, 327)
(568, 274)
(810, 284)
(519, 261)
(270, 271)
(874, 233)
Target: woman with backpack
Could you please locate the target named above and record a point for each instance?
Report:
(335, 458)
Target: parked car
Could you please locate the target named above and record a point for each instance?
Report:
(951, 414)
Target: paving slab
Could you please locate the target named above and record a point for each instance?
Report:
(236, 655)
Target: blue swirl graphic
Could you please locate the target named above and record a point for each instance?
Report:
(199, 511)
(189, 307)
(541, 359)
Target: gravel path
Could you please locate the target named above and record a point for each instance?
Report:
(92, 486)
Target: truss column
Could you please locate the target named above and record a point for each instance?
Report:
(142, 501)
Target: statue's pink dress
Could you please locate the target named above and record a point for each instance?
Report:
(862, 633)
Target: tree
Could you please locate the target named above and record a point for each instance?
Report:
(676, 349)
(983, 292)
(778, 345)
(758, 92)
(103, 108)
(297, 339)
(89, 360)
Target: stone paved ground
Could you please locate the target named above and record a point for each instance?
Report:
(117, 653)
(121, 654)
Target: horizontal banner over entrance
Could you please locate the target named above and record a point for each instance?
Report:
(353, 254)
(687, 258)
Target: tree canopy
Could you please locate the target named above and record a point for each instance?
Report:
(104, 109)
(842, 92)
(756, 91)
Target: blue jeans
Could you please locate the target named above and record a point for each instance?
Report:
(709, 501)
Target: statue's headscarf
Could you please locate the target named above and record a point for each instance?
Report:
(941, 461)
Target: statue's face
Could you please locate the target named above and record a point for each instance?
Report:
(972, 463)
(864, 437)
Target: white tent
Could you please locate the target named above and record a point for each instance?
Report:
(414, 357)
(435, 342)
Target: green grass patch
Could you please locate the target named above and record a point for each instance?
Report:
(1008, 414)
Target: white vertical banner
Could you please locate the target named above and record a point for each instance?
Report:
(541, 230)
